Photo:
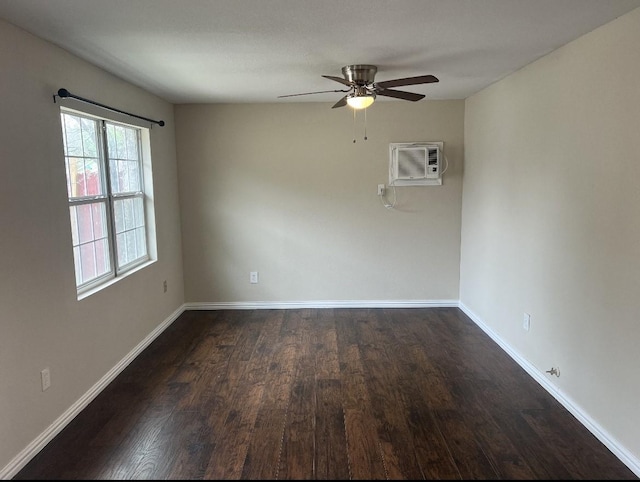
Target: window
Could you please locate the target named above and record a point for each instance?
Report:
(105, 184)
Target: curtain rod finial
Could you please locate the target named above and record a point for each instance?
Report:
(63, 93)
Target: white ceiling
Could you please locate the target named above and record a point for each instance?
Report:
(211, 51)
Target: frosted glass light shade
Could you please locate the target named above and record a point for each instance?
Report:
(360, 101)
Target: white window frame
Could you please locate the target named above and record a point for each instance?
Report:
(109, 198)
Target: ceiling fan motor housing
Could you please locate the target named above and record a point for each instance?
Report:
(360, 74)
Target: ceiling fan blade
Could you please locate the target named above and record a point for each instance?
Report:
(340, 103)
(307, 93)
(338, 79)
(400, 94)
(422, 79)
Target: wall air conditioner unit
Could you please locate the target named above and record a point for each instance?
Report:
(415, 163)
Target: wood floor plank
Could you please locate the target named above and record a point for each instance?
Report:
(331, 462)
(363, 445)
(233, 437)
(539, 456)
(279, 379)
(193, 447)
(297, 460)
(325, 341)
(265, 446)
(389, 410)
(355, 394)
(463, 445)
(432, 452)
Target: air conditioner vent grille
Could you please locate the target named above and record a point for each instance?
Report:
(411, 163)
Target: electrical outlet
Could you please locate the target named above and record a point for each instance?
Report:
(164, 285)
(526, 321)
(253, 277)
(45, 378)
(380, 189)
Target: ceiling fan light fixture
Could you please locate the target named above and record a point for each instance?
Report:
(358, 102)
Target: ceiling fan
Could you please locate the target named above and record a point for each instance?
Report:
(362, 88)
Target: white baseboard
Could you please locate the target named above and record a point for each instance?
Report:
(288, 305)
(31, 450)
(611, 443)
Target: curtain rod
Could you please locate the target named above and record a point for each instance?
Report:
(65, 93)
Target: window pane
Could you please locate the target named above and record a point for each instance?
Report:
(89, 233)
(113, 177)
(131, 241)
(81, 148)
(124, 159)
(67, 171)
(88, 262)
(77, 264)
(138, 209)
(130, 237)
(121, 247)
(75, 177)
(111, 141)
(134, 176)
(103, 261)
(92, 260)
(74, 226)
(72, 135)
(128, 213)
(123, 177)
(128, 176)
(120, 142)
(132, 145)
(118, 215)
(141, 242)
(85, 223)
(92, 177)
(99, 218)
(89, 138)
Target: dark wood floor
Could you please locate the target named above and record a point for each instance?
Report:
(325, 394)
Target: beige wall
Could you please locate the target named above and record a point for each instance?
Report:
(551, 221)
(42, 323)
(282, 189)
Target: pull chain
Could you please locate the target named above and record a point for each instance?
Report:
(365, 124)
(354, 126)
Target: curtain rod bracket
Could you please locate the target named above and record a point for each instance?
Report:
(63, 93)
